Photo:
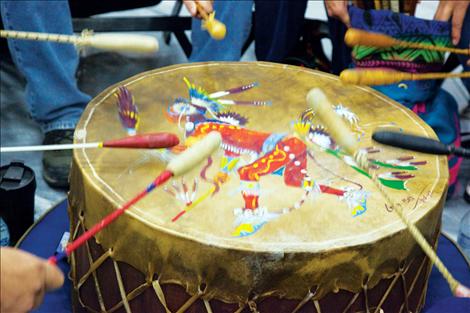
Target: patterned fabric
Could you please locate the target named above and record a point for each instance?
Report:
(434, 105)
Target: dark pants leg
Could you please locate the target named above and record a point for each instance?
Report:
(278, 26)
(341, 58)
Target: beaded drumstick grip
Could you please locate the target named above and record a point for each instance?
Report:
(178, 166)
(113, 42)
(341, 134)
(385, 77)
(356, 37)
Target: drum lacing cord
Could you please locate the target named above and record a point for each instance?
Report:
(361, 158)
(91, 270)
(306, 299)
(251, 303)
(366, 294)
(161, 296)
(252, 306)
(200, 292)
(122, 291)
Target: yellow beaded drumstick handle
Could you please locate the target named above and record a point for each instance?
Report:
(343, 136)
(113, 42)
(214, 27)
(356, 37)
(385, 77)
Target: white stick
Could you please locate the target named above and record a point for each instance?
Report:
(120, 42)
(50, 147)
(106, 41)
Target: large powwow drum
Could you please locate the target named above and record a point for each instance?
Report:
(279, 219)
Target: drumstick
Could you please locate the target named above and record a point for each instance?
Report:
(377, 5)
(214, 27)
(144, 141)
(177, 167)
(418, 143)
(356, 37)
(395, 6)
(113, 42)
(385, 77)
(343, 136)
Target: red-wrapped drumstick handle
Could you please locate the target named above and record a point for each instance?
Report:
(143, 141)
(177, 167)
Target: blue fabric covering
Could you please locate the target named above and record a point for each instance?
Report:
(395, 24)
(425, 97)
(44, 238)
(439, 295)
(43, 241)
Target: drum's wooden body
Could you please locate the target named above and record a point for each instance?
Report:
(307, 232)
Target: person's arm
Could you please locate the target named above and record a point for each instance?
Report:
(191, 6)
(24, 280)
(456, 10)
(338, 9)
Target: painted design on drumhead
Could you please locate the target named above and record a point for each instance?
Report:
(249, 155)
(128, 112)
(200, 102)
(318, 135)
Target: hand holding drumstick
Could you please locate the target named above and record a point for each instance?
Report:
(205, 7)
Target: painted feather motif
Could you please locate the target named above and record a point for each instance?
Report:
(128, 113)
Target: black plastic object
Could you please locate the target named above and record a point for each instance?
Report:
(17, 188)
(417, 143)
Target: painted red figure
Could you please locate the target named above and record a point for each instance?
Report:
(273, 154)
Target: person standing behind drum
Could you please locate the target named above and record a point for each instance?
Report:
(277, 30)
(337, 10)
(24, 280)
(52, 95)
(439, 109)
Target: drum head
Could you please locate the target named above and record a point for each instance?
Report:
(279, 182)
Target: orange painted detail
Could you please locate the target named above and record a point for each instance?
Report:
(235, 136)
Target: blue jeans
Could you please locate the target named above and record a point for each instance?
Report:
(277, 30)
(236, 15)
(52, 95)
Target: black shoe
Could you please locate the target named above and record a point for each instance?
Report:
(56, 164)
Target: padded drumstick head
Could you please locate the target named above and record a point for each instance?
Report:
(350, 77)
(217, 30)
(122, 42)
(335, 125)
(356, 37)
(195, 154)
(372, 77)
(214, 27)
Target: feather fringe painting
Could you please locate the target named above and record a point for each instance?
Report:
(128, 113)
